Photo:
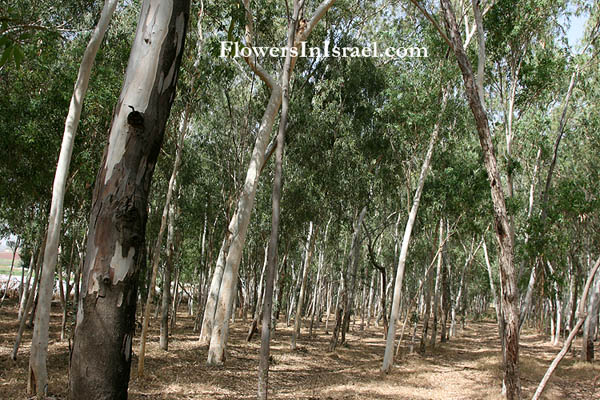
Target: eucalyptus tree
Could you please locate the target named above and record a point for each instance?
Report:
(510, 294)
(239, 223)
(105, 317)
(38, 375)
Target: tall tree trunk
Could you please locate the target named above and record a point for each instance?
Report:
(436, 291)
(101, 358)
(352, 270)
(27, 288)
(388, 357)
(573, 275)
(258, 305)
(213, 294)
(510, 290)
(272, 251)
(166, 289)
(239, 224)
(446, 295)
(158, 245)
(237, 229)
(38, 383)
(581, 317)
(591, 321)
(30, 298)
(316, 303)
(310, 243)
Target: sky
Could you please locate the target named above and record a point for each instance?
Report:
(577, 28)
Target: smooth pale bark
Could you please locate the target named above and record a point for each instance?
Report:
(581, 317)
(503, 228)
(238, 228)
(166, 288)
(27, 288)
(426, 298)
(272, 251)
(213, 294)
(457, 303)
(589, 326)
(557, 306)
(352, 269)
(544, 203)
(158, 244)
(239, 224)
(573, 275)
(38, 382)
(310, 243)
(497, 303)
(436, 291)
(101, 358)
(30, 298)
(176, 298)
(317, 294)
(258, 304)
(446, 296)
(526, 305)
(328, 309)
(388, 357)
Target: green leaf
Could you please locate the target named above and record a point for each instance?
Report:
(18, 55)
(6, 55)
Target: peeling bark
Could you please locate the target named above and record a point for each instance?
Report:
(101, 358)
(510, 290)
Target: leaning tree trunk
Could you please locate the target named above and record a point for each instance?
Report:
(238, 228)
(101, 358)
(38, 374)
(581, 317)
(239, 224)
(272, 250)
(388, 357)
(510, 290)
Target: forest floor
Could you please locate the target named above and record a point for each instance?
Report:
(466, 367)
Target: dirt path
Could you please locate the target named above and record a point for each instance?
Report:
(467, 367)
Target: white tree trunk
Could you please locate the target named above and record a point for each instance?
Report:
(238, 228)
(581, 317)
(308, 257)
(239, 224)
(38, 382)
(388, 357)
(158, 245)
(213, 294)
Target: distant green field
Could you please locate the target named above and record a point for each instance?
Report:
(5, 269)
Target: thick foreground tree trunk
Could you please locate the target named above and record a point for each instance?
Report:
(101, 358)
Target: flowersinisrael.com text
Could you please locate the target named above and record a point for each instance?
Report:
(233, 49)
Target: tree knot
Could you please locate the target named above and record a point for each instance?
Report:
(135, 118)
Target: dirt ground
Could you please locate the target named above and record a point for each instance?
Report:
(467, 367)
